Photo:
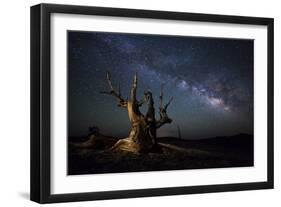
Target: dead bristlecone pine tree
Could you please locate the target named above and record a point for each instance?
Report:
(142, 136)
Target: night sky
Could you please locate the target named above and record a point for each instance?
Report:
(210, 79)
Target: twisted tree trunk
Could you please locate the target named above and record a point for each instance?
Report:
(142, 136)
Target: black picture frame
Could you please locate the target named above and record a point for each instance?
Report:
(40, 102)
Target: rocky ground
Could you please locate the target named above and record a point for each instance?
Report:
(92, 155)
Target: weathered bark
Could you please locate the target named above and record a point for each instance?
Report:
(142, 136)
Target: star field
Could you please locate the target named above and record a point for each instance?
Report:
(210, 79)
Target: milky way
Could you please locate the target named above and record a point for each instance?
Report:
(210, 79)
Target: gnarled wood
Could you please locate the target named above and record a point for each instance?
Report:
(164, 118)
(142, 136)
(112, 91)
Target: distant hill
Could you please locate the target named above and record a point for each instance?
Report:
(242, 141)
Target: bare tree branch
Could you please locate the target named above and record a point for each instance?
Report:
(133, 97)
(169, 102)
(141, 102)
(121, 101)
(164, 118)
(150, 114)
(161, 96)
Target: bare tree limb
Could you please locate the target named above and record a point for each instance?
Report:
(141, 102)
(112, 91)
(164, 118)
(161, 96)
(169, 102)
(133, 97)
(150, 114)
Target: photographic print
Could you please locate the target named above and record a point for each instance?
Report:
(142, 102)
(130, 103)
